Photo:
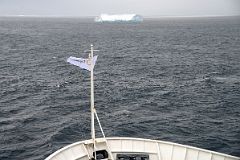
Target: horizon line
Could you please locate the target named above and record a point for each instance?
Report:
(91, 16)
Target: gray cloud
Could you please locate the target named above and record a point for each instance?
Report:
(143, 7)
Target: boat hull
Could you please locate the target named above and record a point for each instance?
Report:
(156, 150)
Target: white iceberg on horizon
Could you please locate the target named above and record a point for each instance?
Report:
(119, 18)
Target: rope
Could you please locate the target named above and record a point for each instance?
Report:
(103, 134)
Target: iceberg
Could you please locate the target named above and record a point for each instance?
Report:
(119, 18)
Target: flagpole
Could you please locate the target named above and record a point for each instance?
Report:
(92, 101)
(88, 64)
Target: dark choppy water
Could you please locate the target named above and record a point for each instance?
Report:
(170, 79)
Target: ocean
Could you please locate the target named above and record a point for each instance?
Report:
(172, 79)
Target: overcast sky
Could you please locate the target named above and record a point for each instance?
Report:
(150, 8)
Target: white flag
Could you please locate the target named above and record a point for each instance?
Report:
(82, 63)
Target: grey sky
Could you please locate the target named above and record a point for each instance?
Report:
(142, 7)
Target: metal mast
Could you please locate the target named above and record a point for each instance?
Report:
(92, 99)
(93, 111)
